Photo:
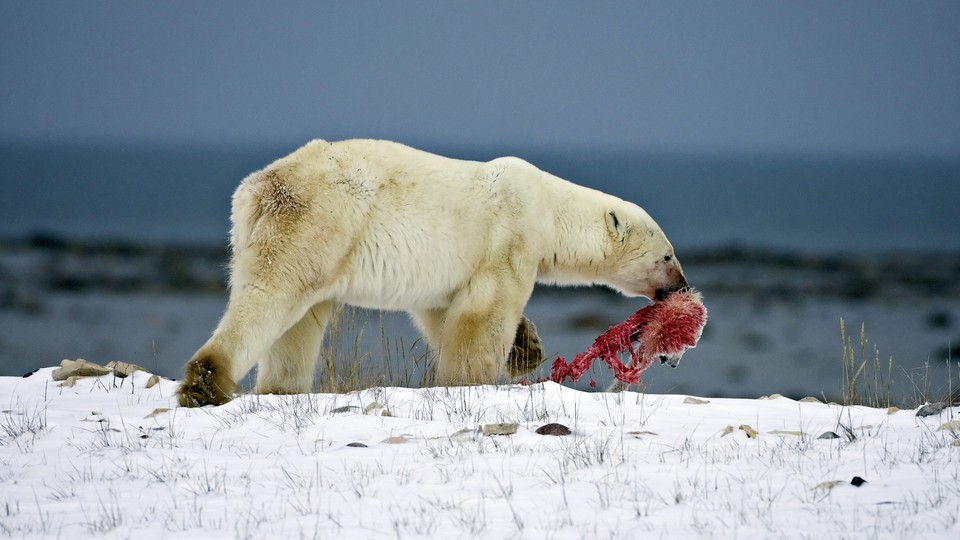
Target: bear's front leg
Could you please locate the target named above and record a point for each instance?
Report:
(479, 330)
(474, 349)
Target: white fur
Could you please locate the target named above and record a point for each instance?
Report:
(457, 244)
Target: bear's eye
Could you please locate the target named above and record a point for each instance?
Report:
(666, 258)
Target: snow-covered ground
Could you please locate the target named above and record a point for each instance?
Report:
(112, 458)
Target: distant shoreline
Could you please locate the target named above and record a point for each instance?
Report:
(774, 314)
(54, 262)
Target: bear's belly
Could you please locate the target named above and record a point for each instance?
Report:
(394, 291)
(374, 299)
(406, 273)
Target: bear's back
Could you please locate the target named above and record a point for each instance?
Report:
(415, 217)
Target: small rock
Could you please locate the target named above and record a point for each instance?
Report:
(500, 429)
(79, 368)
(558, 430)
(828, 435)
(639, 434)
(153, 381)
(695, 401)
(69, 382)
(892, 410)
(953, 425)
(123, 369)
(156, 412)
(376, 409)
(931, 409)
(356, 445)
(857, 481)
(25, 375)
(464, 435)
(751, 433)
(345, 409)
(810, 399)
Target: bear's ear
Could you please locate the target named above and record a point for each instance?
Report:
(617, 228)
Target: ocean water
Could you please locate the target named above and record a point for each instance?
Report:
(789, 203)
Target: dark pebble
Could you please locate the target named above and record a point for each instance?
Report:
(553, 429)
(828, 435)
(939, 320)
(356, 445)
(345, 409)
(857, 481)
(931, 409)
(948, 353)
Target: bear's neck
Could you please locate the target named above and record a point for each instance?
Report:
(580, 240)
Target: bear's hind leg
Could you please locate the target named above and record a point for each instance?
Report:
(267, 297)
(292, 362)
(255, 318)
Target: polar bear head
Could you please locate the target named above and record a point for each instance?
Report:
(639, 259)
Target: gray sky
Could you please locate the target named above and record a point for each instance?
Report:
(810, 77)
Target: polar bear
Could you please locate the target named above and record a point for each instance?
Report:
(457, 244)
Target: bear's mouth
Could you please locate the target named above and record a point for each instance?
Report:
(663, 293)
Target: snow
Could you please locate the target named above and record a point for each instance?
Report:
(112, 458)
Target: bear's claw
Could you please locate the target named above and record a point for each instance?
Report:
(527, 351)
